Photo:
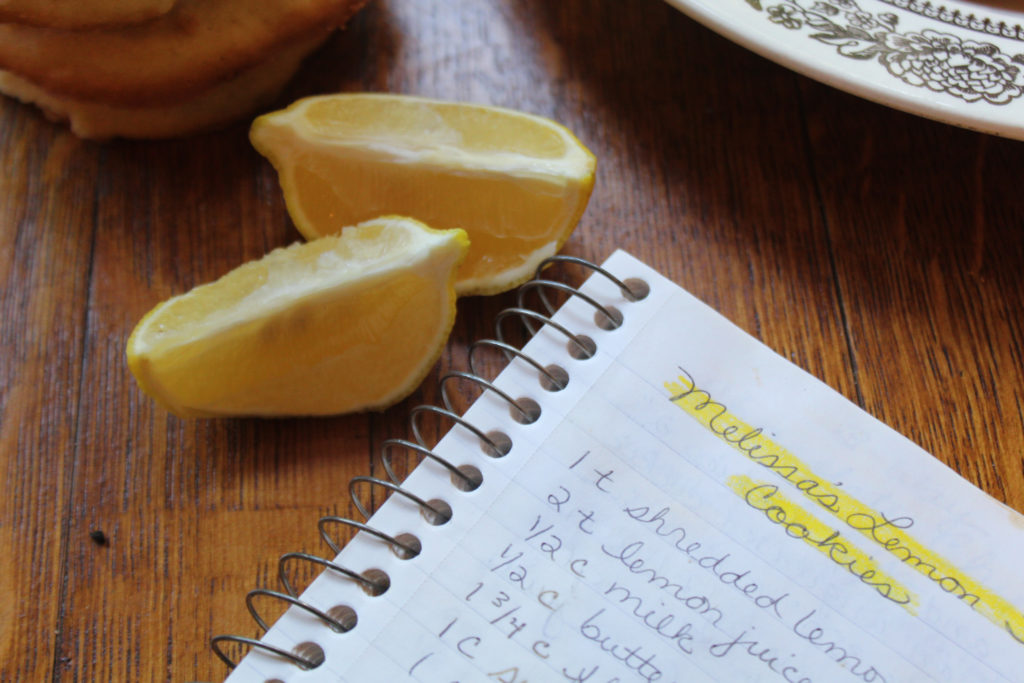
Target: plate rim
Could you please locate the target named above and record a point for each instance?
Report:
(763, 37)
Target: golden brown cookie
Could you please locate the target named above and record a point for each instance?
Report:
(210, 108)
(191, 48)
(79, 14)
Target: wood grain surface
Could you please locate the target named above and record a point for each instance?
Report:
(880, 251)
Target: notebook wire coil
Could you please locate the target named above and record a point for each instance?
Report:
(405, 546)
(464, 477)
(370, 583)
(335, 624)
(304, 663)
(435, 512)
(494, 444)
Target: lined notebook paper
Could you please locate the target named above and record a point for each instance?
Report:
(691, 507)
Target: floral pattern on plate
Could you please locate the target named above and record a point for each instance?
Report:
(973, 71)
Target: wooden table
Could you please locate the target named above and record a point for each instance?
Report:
(880, 251)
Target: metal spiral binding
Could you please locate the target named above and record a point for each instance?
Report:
(373, 586)
(526, 411)
(583, 346)
(633, 289)
(334, 624)
(553, 377)
(611, 317)
(301, 662)
(405, 548)
(434, 514)
(465, 478)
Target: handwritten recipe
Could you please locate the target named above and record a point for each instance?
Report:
(692, 507)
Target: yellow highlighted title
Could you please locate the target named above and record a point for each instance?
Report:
(799, 524)
(889, 533)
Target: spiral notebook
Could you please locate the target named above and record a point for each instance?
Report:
(688, 507)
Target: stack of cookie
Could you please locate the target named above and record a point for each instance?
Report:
(157, 68)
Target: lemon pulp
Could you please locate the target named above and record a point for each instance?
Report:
(343, 323)
(516, 183)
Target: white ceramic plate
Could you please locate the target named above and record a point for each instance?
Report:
(956, 61)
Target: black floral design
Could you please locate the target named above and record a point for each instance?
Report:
(969, 70)
(957, 17)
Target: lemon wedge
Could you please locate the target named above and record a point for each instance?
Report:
(516, 183)
(344, 323)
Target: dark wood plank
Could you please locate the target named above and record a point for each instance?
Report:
(702, 173)
(926, 220)
(46, 226)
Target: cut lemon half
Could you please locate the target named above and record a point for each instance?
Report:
(340, 324)
(516, 183)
